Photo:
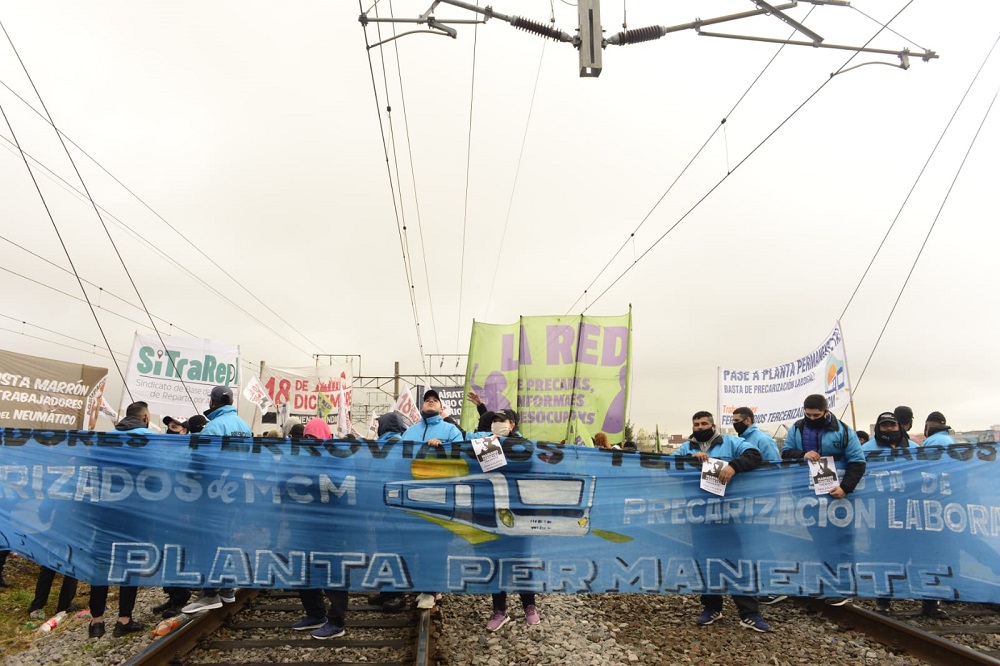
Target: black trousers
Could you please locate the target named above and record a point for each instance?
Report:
(500, 600)
(43, 586)
(179, 596)
(746, 605)
(315, 606)
(99, 600)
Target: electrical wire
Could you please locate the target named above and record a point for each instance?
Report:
(888, 28)
(923, 245)
(392, 190)
(49, 173)
(413, 182)
(742, 161)
(191, 244)
(48, 330)
(919, 176)
(517, 172)
(683, 171)
(468, 169)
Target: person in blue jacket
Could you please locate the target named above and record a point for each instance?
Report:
(742, 456)
(743, 424)
(223, 420)
(936, 430)
(888, 435)
(432, 428)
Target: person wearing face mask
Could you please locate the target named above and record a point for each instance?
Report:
(905, 417)
(742, 456)
(888, 435)
(743, 424)
(936, 430)
(504, 426)
(820, 434)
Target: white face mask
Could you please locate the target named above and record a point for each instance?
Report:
(501, 428)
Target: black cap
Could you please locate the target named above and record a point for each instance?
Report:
(196, 423)
(863, 435)
(222, 395)
(937, 417)
(167, 420)
(903, 414)
(505, 415)
(431, 393)
(886, 416)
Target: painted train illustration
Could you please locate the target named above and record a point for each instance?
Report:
(510, 506)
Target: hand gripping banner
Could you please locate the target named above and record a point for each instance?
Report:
(129, 509)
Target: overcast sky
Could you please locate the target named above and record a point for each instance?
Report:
(252, 129)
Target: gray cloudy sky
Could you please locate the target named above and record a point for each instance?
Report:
(251, 128)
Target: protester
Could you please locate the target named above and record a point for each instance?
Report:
(222, 420)
(820, 434)
(742, 456)
(905, 417)
(601, 441)
(136, 421)
(745, 427)
(175, 426)
(888, 436)
(391, 427)
(863, 437)
(936, 430)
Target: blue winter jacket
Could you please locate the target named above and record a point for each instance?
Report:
(741, 454)
(433, 427)
(942, 438)
(833, 444)
(225, 421)
(763, 442)
(873, 445)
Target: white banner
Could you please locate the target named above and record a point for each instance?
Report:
(775, 394)
(257, 394)
(407, 407)
(178, 379)
(295, 391)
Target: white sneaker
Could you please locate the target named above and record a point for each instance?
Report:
(425, 600)
(203, 604)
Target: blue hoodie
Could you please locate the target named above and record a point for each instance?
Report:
(765, 444)
(433, 427)
(225, 421)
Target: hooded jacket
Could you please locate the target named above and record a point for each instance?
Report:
(317, 428)
(763, 442)
(433, 427)
(391, 426)
(838, 440)
(135, 425)
(741, 454)
(225, 421)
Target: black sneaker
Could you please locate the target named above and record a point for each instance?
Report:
(883, 606)
(394, 604)
(162, 607)
(933, 609)
(130, 627)
(95, 630)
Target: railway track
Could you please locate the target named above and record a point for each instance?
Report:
(255, 631)
(933, 641)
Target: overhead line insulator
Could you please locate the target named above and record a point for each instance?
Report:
(528, 25)
(646, 34)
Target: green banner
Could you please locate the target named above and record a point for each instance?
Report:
(567, 377)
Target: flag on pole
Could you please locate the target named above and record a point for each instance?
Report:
(373, 426)
(343, 414)
(659, 449)
(323, 405)
(257, 394)
(108, 411)
(406, 406)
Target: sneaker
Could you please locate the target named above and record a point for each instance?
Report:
(228, 596)
(425, 600)
(531, 617)
(172, 611)
(836, 601)
(756, 622)
(309, 623)
(95, 630)
(328, 630)
(378, 599)
(707, 617)
(159, 608)
(203, 604)
(499, 619)
(38, 614)
(933, 609)
(130, 627)
(772, 599)
(883, 606)
(394, 604)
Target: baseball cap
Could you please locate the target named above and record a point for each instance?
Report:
(903, 414)
(196, 423)
(222, 395)
(505, 415)
(167, 420)
(431, 393)
(884, 417)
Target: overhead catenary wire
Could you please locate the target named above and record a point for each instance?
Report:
(517, 172)
(413, 183)
(721, 125)
(100, 218)
(191, 244)
(468, 170)
(392, 189)
(96, 348)
(927, 237)
(916, 181)
(714, 187)
(49, 173)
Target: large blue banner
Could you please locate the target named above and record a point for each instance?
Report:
(128, 509)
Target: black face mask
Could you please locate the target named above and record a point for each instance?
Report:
(816, 424)
(889, 436)
(424, 414)
(704, 435)
(740, 427)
